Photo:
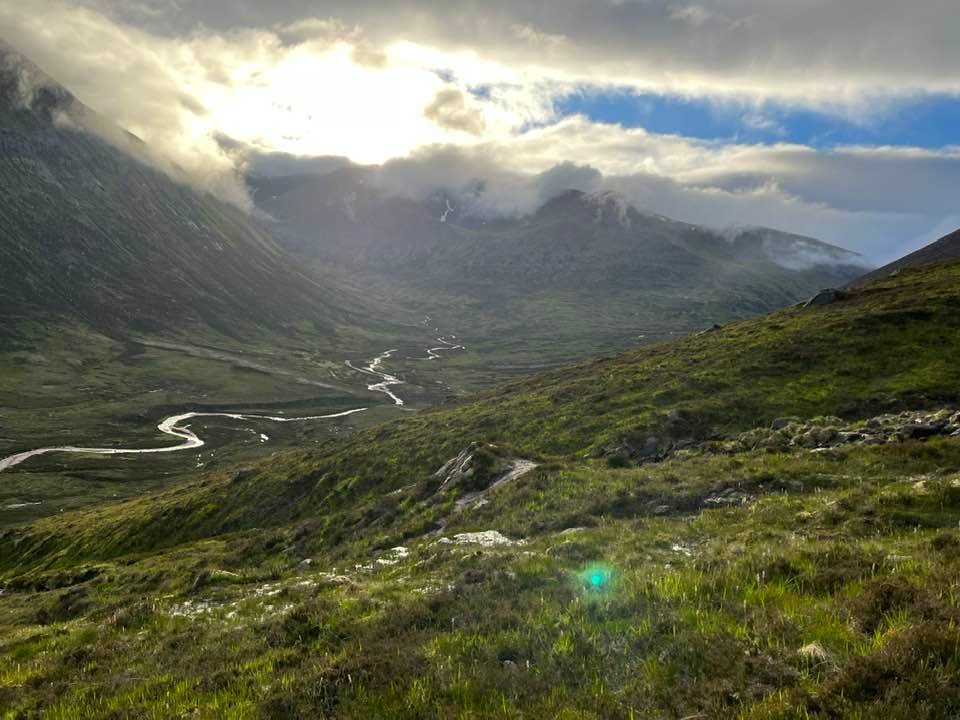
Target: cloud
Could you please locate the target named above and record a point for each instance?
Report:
(451, 110)
(664, 176)
(459, 95)
(274, 164)
(820, 52)
(134, 82)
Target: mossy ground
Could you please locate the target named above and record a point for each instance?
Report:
(830, 592)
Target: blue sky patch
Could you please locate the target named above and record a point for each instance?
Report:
(930, 121)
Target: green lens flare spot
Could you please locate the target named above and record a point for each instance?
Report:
(597, 578)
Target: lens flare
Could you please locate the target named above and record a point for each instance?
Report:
(597, 578)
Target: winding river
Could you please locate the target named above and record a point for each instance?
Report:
(432, 353)
(172, 425)
(175, 427)
(386, 380)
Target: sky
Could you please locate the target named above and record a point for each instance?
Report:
(838, 120)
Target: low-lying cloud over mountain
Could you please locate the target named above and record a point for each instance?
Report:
(445, 94)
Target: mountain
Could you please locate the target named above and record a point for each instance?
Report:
(93, 234)
(946, 249)
(575, 240)
(758, 521)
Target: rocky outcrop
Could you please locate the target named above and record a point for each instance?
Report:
(518, 468)
(475, 468)
(790, 433)
(825, 297)
(484, 538)
(786, 434)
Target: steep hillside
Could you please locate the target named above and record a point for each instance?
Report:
(756, 522)
(92, 234)
(945, 249)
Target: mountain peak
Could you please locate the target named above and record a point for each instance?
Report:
(24, 85)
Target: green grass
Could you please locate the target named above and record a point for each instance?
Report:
(704, 611)
(831, 593)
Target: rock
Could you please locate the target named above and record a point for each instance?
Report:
(920, 431)
(455, 469)
(485, 538)
(850, 437)
(825, 297)
(782, 422)
(727, 498)
(475, 467)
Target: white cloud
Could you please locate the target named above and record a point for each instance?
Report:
(445, 94)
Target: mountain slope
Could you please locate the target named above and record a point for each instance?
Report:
(945, 249)
(886, 347)
(739, 571)
(92, 233)
(576, 240)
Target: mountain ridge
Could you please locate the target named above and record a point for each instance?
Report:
(945, 249)
(343, 217)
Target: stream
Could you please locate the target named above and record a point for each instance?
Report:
(172, 425)
(175, 427)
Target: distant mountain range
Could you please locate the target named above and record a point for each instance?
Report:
(576, 240)
(94, 233)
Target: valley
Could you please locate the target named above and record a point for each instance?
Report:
(751, 521)
(341, 446)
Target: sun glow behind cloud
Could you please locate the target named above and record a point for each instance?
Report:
(317, 98)
(683, 120)
(314, 101)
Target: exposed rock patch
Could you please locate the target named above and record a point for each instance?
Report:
(485, 538)
(475, 468)
(787, 434)
(729, 497)
(825, 297)
(791, 434)
(518, 468)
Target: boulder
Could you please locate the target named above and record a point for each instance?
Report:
(923, 431)
(825, 297)
(783, 422)
(727, 498)
(474, 468)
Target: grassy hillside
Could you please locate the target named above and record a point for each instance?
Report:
(946, 249)
(668, 558)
